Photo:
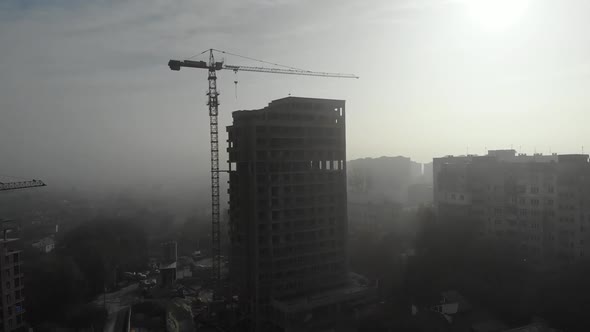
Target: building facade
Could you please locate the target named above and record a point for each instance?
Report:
(11, 278)
(288, 221)
(540, 204)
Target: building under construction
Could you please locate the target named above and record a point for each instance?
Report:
(288, 220)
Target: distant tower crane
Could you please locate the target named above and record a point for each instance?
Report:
(5, 186)
(212, 66)
(21, 185)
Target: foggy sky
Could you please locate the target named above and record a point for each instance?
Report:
(86, 96)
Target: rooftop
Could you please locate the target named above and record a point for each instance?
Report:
(309, 104)
(306, 99)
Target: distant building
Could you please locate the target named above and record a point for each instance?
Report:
(184, 267)
(539, 204)
(427, 172)
(11, 279)
(45, 245)
(168, 263)
(452, 303)
(380, 179)
(387, 179)
(420, 194)
(415, 170)
(288, 216)
(373, 216)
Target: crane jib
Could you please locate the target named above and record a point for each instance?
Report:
(177, 64)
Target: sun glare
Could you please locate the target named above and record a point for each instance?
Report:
(496, 15)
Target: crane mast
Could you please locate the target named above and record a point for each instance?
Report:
(213, 104)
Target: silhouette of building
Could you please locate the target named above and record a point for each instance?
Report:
(45, 245)
(427, 173)
(539, 204)
(419, 194)
(11, 278)
(288, 221)
(168, 265)
(381, 179)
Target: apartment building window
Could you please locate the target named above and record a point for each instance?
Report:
(534, 190)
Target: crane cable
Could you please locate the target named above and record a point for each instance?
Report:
(196, 55)
(258, 60)
(236, 84)
(247, 58)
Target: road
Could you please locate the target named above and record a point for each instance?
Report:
(116, 305)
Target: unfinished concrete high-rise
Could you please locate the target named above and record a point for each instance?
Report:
(288, 220)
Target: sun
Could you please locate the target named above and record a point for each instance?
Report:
(496, 15)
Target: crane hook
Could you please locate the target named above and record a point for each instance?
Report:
(236, 83)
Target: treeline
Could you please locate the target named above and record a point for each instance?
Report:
(89, 258)
(453, 255)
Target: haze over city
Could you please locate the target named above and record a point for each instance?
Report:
(290, 166)
(86, 97)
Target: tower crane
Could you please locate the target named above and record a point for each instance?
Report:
(21, 185)
(15, 185)
(213, 67)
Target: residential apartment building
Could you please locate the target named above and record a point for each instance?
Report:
(540, 204)
(381, 179)
(288, 221)
(11, 278)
